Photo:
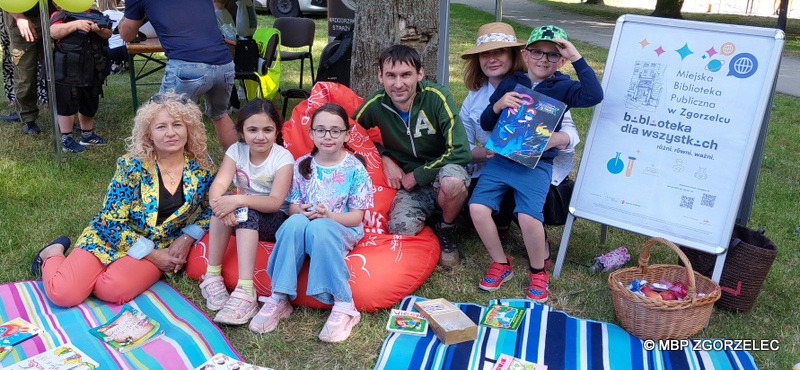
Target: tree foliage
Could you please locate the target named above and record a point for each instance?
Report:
(668, 9)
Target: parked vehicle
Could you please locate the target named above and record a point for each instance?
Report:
(292, 8)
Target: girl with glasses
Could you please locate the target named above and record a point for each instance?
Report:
(330, 191)
(261, 170)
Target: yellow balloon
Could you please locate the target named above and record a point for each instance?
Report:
(17, 6)
(75, 5)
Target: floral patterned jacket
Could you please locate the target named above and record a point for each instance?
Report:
(130, 209)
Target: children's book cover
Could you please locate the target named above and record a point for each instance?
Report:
(506, 362)
(17, 330)
(129, 329)
(407, 322)
(221, 361)
(522, 134)
(503, 317)
(63, 357)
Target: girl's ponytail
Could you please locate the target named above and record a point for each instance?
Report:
(305, 165)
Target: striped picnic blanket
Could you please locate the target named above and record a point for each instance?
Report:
(190, 338)
(546, 336)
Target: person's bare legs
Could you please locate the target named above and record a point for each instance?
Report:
(487, 231)
(246, 248)
(65, 123)
(451, 197)
(226, 132)
(86, 122)
(533, 237)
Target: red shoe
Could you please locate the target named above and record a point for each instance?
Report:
(537, 289)
(497, 274)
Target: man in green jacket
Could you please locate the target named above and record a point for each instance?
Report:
(424, 147)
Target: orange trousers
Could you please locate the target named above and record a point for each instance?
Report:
(69, 280)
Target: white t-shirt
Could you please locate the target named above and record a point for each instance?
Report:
(251, 179)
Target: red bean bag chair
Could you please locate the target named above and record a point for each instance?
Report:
(384, 268)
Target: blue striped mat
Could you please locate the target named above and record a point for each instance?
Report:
(550, 337)
(189, 335)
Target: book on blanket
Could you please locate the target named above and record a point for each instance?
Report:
(503, 317)
(522, 134)
(65, 356)
(128, 329)
(506, 362)
(221, 361)
(407, 322)
(17, 330)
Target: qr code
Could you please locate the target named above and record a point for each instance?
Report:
(708, 200)
(687, 202)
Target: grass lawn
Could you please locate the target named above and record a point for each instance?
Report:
(41, 199)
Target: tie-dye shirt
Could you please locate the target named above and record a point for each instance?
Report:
(340, 188)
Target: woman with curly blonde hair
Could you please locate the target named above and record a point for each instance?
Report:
(155, 207)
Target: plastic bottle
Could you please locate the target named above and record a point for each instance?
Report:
(610, 261)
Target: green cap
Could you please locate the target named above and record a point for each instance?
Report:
(546, 33)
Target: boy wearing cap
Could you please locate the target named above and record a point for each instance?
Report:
(546, 51)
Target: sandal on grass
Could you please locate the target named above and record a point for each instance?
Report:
(36, 265)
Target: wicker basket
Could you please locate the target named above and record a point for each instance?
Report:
(654, 319)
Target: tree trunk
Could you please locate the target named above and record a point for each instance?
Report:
(668, 9)
(383, 23)
(595, 2)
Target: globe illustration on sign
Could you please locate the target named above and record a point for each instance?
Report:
(743, 65)
(727, 48)
(714, 65)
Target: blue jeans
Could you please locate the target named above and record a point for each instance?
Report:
(326, 242)
(199, 79)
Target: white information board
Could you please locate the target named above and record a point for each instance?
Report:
(669, 148)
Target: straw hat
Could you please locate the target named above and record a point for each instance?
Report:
(495, 35)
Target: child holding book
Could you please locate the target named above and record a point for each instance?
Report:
(261, 170)
(330, 191)
(546, 51)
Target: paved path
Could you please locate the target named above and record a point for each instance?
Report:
(600, 32)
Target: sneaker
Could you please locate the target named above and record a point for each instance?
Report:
(71, 146)
(239, 309)
(213, 290)
(266, 320)
(93, 139)
(537, 289)
(31, 128)
(339, 325)
(449, 254)
(13, 117)
(498, 274)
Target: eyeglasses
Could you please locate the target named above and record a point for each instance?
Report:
(538, 54)
(320, 132)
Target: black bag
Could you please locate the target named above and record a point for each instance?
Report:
(246, 56)
(335, 59)
(556, 204)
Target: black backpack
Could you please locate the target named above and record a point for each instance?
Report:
(335, 59)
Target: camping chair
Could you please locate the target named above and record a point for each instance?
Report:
(296, 33)
(259, 65)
